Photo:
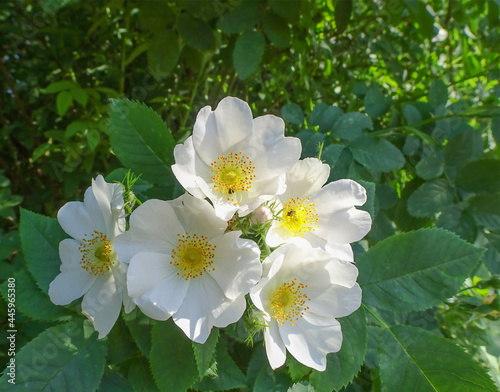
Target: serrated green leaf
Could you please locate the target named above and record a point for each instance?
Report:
(438, 93)
(325, 116)
(229, 376)
(242, 18)
(195, 33)
(375, 102)
(114, 382)
(62, 358)
(301, 387)
(416, 270)
(296, 369)
(412, 359)
(342, 15)
(140, 377)
(377, 154)
(140, 328)
(63, 102)
(141, 140)
(31, 301)
(431, 165)
(459, 222)
(171, 358)
(343, 366)
(492, 256)
(163, 54)
(276, 29)
(292, 113)
(350, 126)
(247, 54)
(40, 238)
(430, 198)
(204, 353)
(480, 176)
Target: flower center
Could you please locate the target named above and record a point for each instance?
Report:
(288, 302)
(232, 173)
(193, 256)
(299, 217)
(98, 255)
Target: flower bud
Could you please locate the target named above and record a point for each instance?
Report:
(261, 215)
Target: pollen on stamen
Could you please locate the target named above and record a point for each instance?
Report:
(232, 173)
(97, 251)
(193, 255)
(299, 216)
(288, 302)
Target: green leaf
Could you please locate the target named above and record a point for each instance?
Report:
(242, 18)
(431, 165)
(292, 113)
(40, 238)
(31, 301)
(430, 198)
(310, 142)
(285, 9)
(325, 116)
(412, 359)
(375, 102)
(480, 176)
(58, 86)
(485, 204)
(459, 222)
(411, 146)
(41, 150)
(140, 377)
(276, 29)
(492, 256)
(140, 328)
(62, 358)
(416, 270)
(204, 353)
(228, 376)
(195, 33)
(297, 370)
(79, 95)
(350, 126)
(411, 114)
(344, 365)
(171, 358)
(63, 102)
(342, 15)
(163, 54)
(438, 93)
(377, 154)
(114, 382)
(247, 54)
(301, 387)
(141, 139)
(495, 129)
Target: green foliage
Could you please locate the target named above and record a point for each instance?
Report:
(401, 96)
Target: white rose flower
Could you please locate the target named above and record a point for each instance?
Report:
(302, 292)
(90, 266)
(181, 264)
(325, 216)
(236, 161)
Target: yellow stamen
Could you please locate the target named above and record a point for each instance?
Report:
(299, 217)
(288, 302)
(98, 255)
(193, 256)
(232, 173)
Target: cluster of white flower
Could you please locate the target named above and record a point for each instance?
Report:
(182, 259)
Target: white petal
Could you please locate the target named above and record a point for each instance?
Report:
(149, 309)
(70, 255)
(340, 251)
(75, 220)
(277, 159)
(237, 264)
(70, 285)
(187, 167)
(194, 316)
(339, 195)
(229, 312)
(306, 177)
(110, 200)
(102, 304)
(275, 348)
(217, 133)
(197, 216)
(309, 343)
(344, 226)
(336, 301)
